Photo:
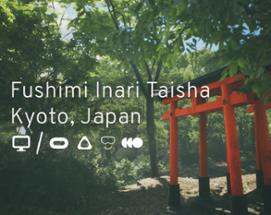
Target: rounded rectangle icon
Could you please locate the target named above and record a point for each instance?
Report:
(21, 148)
(108, 140)
(59, 139)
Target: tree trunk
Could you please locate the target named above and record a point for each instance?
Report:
(149, 113)
(35, 136)
(241, 142)
(151, 136)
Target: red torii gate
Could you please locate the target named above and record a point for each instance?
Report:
(226, 101)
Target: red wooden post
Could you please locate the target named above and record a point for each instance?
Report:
(174, 189)
(265, 149)
(228, 173)
(173, 145)
(237, 200)
(228, 170)
(204, 185)
(203, 145)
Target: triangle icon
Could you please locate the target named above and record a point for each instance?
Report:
(84, 138)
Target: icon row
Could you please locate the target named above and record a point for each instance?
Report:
(108, 141)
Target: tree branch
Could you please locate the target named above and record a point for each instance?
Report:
(114, 11)
(115, 22)
(185, 27)
(60, 22)
(148, 71)
(122, 17)
(131, 8)
(158, 71)
(129, 5)
(154, 61)
(141, 84)
(68, 33)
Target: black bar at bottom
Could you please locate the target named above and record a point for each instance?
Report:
(267, 198)
(259, 179)
(228, 183)
(204, 187)
(238, 205)
(174, 197)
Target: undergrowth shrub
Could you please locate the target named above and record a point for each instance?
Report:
(128, 172)
(66, 184)
(62, 184)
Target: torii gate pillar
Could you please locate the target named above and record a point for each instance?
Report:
(265, 149)
(174, 188)
(237, 199)
(259, 170)
(204, 184)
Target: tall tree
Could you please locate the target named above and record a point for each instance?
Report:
(110, 30)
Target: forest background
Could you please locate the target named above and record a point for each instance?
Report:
(116, 43)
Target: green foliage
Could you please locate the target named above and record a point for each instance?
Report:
(129, 172)
(142, 167)
(32, 52)
(241, 29)
(63, 185)
(137, 42)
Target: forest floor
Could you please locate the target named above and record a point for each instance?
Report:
(150, 195)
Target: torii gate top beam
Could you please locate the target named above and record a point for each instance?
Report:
(199, 104)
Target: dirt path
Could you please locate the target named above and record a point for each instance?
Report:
(148, 197)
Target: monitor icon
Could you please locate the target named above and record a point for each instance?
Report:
(20, 147)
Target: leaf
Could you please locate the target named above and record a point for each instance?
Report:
(138, 7)
(237, 9)
(166, 13)
(266, 62)
(188, 36)
(266, 99)
(246, 71)
(81, 13)
(236, 48)
(177, 2)
(174, 14)
(120, 31)
(224, 75)
(171, 36)
(266, 96)
(233, 70)
(126, 39)
(194, 41)
(194, 1)
(241, 62)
